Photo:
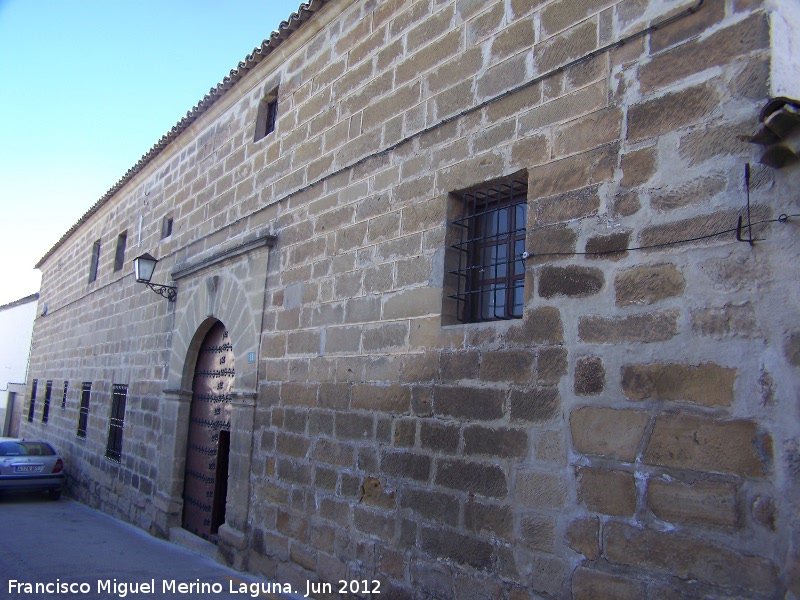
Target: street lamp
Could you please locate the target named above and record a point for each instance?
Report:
(143, 267)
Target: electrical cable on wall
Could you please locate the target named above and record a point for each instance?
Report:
(783, 218)
(739, 230)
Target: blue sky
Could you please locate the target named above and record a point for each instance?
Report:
(88, 87)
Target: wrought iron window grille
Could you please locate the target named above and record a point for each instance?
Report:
(32, 405)
(48, 392)
(116, 423)
(490, 251)
(83, 412)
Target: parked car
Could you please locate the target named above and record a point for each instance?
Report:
(27, 465)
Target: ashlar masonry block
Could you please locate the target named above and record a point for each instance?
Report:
(562, 14)
(541, 489)
(590, 375)
(468, 403)
(731, 320)
(687, 558)
(607, 492)
(479, 478)
(671, 111)
(583, 536)
(499, 442)
(463, 549)
(535, 405)
(704, 503)
(594, 130)
(573, 173)
(647, 328)
(638, 166)
(707, 384)
(507, 365)
(647, 284)
(705, 444)
(695, 56)
(615, 433)
(539, 326)
(571, 281)
(588, 584)
(569, 45)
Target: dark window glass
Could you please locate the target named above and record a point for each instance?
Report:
(83, 413)
(267, 115)
(48, 392)
(119, 256)
(490, 268)
(32, 405)
(117, 422)
(95, 260)
(166, 227)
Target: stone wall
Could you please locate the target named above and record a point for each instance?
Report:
(633, 435)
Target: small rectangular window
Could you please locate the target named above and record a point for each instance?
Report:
(48, 392)
(94, 262)
(116, 423)
(119, 255)
(486, 260)
(32, 405)
(267, 115)
(83, 413)
(166, 227)
(64, 397)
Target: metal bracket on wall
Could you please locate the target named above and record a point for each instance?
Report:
(740, 224)
(167, 291)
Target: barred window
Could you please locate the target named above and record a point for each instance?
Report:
(117, 422)
(64, 397)
(83, 413)
(48, 392)
(32, 405)
(486, 258)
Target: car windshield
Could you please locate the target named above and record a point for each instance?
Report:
(25, 449)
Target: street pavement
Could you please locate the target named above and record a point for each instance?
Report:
(74, 552)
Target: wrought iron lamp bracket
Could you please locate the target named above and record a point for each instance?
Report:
(167, 291)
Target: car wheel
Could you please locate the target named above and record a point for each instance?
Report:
(55, 494)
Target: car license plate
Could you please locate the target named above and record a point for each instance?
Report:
(28, 468)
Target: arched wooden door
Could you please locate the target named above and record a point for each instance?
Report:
(208, 445)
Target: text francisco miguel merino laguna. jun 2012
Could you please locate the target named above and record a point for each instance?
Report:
(172, 586)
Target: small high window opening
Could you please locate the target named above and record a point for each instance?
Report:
(166, 227)
(486, 269)
(48, 393)
(64, 397)
(94, 261)
(267, 115)
(119, 256)
(83, 413)
(116, 423)
(32, 405)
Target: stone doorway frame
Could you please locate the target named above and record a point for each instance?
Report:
(229, 287)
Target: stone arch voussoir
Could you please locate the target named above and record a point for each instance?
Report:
(208, 300)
